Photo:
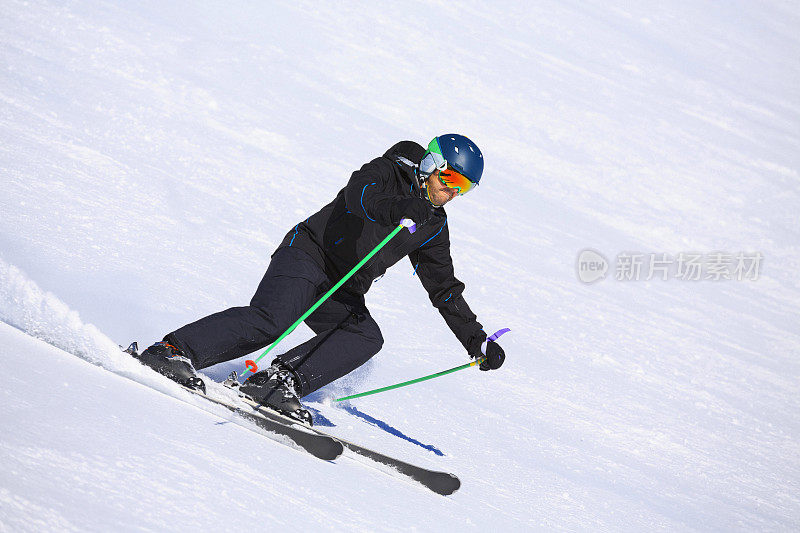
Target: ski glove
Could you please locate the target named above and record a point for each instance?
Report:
(417, 209)
(494, 358)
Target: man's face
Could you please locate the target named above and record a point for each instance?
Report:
(439, 193)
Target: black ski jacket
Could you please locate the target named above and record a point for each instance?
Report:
(340, 234)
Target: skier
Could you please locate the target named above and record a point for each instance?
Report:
(408, 181)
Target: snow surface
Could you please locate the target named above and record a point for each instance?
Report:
(152, 155)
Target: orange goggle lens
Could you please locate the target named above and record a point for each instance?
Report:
(456, 180)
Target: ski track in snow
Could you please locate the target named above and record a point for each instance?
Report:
(153, 155)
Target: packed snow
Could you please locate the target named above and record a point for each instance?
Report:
(153, 154)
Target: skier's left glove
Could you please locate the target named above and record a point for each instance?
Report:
(494, 358)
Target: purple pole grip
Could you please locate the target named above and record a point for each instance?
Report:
(409, 224)
(496, 335)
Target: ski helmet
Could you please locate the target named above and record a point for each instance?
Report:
(456, 151)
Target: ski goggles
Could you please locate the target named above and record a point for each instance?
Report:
(433, 160)
(456, 180)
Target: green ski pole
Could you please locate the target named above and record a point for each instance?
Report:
(436, 375)
(411, 382)
(405, 223)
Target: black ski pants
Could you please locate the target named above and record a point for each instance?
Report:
(346, 335)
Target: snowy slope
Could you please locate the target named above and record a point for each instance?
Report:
(153, 154)
(168, 465)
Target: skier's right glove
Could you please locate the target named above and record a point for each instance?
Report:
(417, 209)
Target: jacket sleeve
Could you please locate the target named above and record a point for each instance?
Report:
(369, 194)
(434, 266)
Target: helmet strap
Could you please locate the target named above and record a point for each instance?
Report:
(422, 179)
(428, 194)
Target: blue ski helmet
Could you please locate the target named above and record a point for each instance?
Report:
(454, 150)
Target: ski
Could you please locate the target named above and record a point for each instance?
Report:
(278, 428)
(316, 442)
(443, 483)
(322, 446)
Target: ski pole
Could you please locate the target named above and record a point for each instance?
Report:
(436, 375)
(405, 223)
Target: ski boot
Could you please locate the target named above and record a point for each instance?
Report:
(170, 361)
(276, 388)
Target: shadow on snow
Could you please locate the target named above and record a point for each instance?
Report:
(321, 420)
